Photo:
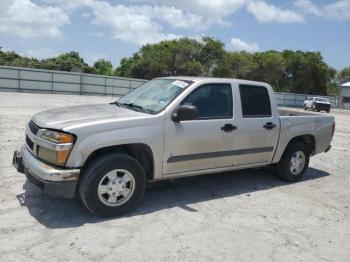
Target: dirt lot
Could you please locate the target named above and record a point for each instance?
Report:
(239, 216)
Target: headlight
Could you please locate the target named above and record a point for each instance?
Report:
(58, 157)
(55, 137)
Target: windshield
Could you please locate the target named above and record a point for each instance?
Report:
(153, 96)
(321, 99)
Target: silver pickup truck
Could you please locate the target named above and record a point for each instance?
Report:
(167, 128)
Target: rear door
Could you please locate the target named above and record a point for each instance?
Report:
(258, 129)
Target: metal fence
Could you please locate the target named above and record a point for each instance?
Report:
(297, 100)
(48, 81)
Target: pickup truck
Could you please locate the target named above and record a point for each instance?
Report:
(167, 128)
(317, 104)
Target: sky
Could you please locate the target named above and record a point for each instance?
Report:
(112, 29)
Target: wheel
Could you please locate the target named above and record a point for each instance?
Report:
(294, 162)
(328, 110)
(112, 184)
(305, 108)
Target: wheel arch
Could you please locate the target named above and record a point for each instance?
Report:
(307, 139)
(140, 151)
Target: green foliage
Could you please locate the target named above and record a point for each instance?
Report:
(167, 58)
(103, 67)
(65, 62)
(344, 75)
(286, 71)
(236, 65)
(211, 54)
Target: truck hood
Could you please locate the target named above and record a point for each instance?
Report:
(69, 117)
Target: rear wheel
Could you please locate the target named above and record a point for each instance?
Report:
(112, 185)
(294, 162)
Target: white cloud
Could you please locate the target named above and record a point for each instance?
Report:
(207, 8)
(25, 19)
(264, 13)
(308, 7)
(70, 5)
(176, 18)
(340, 10)
(141, 23)
(239, 45)
(86, 15)
(130, 24)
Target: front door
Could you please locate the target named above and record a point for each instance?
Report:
(204, 143)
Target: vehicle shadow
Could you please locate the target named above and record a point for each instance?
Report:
(55, 212)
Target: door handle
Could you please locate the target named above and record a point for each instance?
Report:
(269, 126)
(228, 128)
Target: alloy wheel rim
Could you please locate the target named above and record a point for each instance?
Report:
(116, 187)
(297, 163)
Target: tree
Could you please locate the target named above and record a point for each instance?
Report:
(167, 58)
(211, 54)
(103, 67)
(236, 65)
(307, 72)
(287, 71)
(270, 68)
(344, 75)
(67, 62)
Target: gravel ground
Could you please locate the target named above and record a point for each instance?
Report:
(239, 216)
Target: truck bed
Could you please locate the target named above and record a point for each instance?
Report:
(291, 112)
(295, 123)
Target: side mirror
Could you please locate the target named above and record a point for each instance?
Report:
(185, 112)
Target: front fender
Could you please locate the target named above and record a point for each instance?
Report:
(151, 135)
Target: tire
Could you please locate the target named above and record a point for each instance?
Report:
(284, 168)
(305, 108)
(313, 107)
(328, 110)
(96, 179)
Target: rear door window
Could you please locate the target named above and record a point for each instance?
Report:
(255, 101)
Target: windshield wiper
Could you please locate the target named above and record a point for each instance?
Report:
(133, 106)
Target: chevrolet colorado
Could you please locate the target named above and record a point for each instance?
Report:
(167, 128)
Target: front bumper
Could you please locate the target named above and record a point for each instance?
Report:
(322, 107)
(52, 180)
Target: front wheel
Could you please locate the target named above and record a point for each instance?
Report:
(112, 184)
(294, 162)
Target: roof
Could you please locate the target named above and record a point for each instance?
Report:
(347, 84)
(201, 78)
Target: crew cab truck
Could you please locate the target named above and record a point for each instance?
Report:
(167, 128)
(317, 104)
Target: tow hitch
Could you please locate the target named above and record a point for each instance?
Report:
(17, 161)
